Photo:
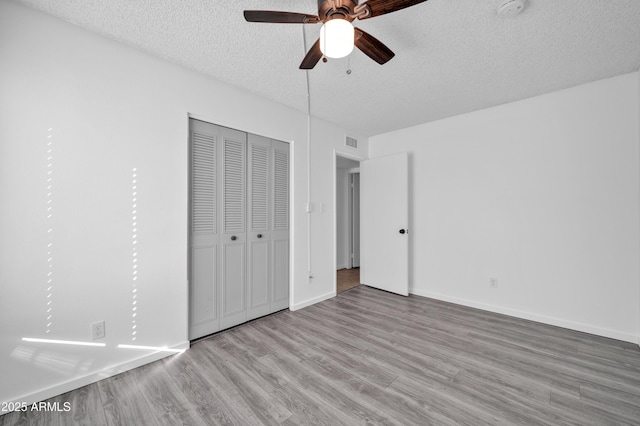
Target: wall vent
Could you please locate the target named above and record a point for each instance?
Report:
(352, 142)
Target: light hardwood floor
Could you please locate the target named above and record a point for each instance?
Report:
(370, 357)
(347, 279)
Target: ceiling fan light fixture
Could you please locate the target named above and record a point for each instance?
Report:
(336, 38)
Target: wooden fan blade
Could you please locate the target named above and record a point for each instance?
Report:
(372, 47)
(272, 16)
(313, 56)
(381, 7)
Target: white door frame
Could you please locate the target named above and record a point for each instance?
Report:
(353, 157)
(352, 216)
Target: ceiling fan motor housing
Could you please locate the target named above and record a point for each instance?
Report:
(343, 8)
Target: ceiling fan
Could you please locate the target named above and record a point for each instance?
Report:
(338, 36)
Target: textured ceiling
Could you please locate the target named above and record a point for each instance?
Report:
(452, 56)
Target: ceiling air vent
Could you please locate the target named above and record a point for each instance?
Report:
(352, 142)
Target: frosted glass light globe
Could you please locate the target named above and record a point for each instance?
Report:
(336, 38)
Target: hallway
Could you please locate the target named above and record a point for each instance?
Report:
(347, 279)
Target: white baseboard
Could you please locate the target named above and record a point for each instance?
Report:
(558, 322)
(87, 379)
(313, 301)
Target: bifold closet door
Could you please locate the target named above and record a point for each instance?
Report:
(239, 228)
(218, 235)
(204, 271)
(259, 184)
(234, 235)
(268, 230)
(280, 166)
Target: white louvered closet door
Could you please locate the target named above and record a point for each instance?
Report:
(239, 237)
(204, 316)
(259, 184)
(234, 233)
(280, 226)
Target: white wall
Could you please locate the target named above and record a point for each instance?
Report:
(109, 109)
(328, 140)
(542, 194)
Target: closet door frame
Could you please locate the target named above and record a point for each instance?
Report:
(225, 315)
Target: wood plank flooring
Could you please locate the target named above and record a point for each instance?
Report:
(347, 279)
(371, 357)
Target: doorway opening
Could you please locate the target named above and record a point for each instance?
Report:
(347, 204)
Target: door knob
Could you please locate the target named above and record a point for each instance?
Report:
(233, 238)
(402, 231)
(259, 235)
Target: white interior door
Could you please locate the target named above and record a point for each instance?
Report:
(384, 240)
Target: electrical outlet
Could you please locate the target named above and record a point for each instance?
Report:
(493, 282)
(97, 330)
